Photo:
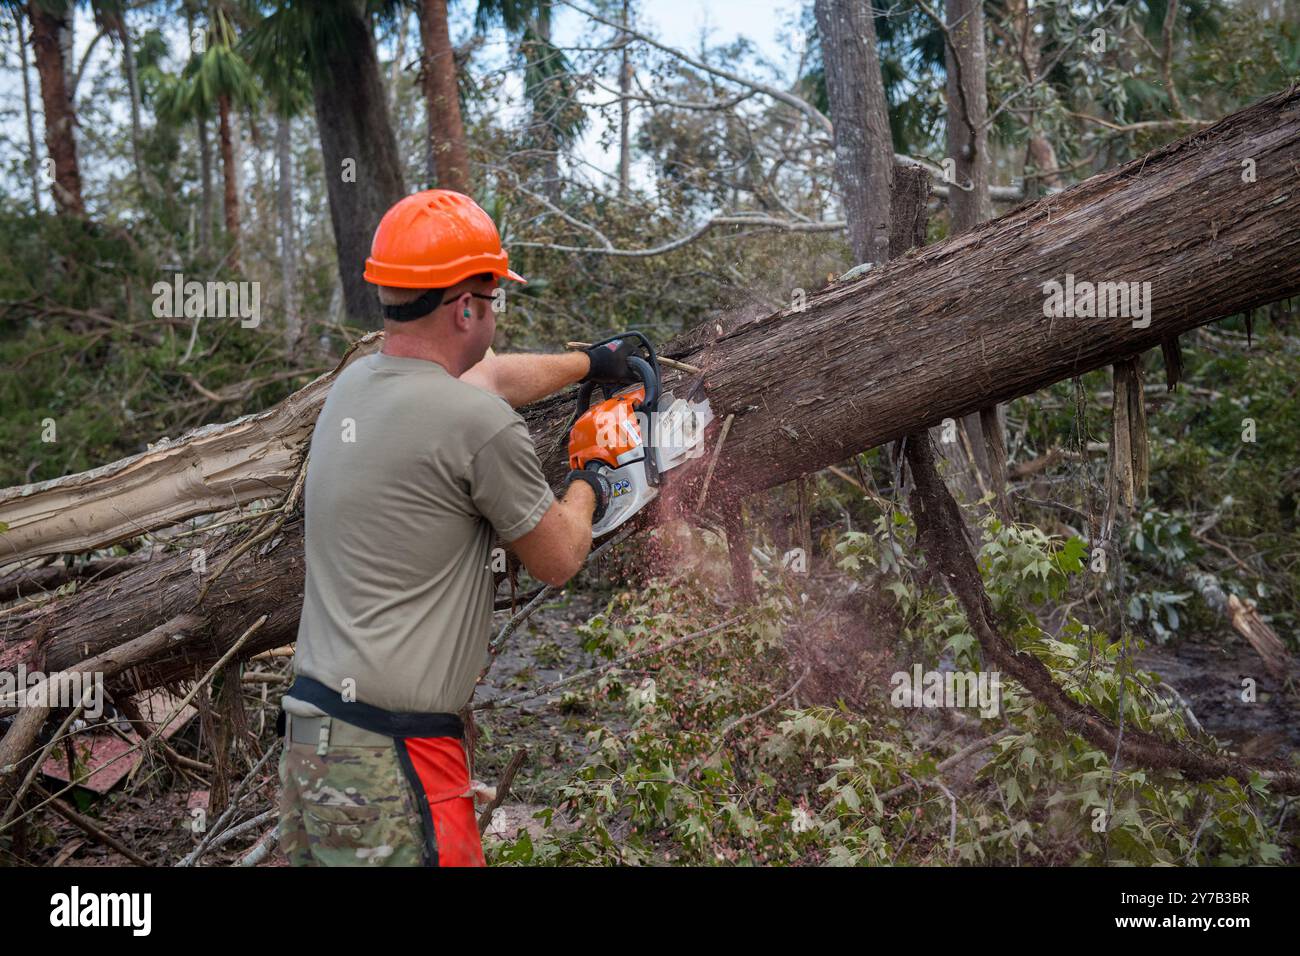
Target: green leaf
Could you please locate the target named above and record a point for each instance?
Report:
(1070, 558)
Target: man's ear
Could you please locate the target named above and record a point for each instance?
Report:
(461, 313)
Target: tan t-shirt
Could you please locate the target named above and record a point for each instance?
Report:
(411, 471)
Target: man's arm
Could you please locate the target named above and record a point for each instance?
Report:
(557, 547)
(524, 378)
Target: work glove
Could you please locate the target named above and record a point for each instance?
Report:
(599, 485)
(609, 362)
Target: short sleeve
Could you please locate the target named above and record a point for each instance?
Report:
(507, 485)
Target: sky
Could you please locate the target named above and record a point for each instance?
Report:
(681, 24)
(677, 23)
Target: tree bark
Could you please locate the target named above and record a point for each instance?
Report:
(940, 332)
(60, 142)
(229, 174)
(625, 112)
(205, 163)
(133, 90)
(293, 327)
(33, 160)
(909, 209)
(969, 204)
(32, 582)
(363, 175)
(543, 132)
(205, 169)
(968, 106)
(864, 152)
(1040, 155)
(449, 160)
(167, 637)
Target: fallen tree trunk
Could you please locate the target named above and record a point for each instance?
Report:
(941, 332)
(209, 469)
(34, 581)
(38, 701)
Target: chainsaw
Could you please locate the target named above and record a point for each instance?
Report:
(635, 434)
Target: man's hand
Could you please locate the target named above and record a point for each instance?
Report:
(609, 362)
(600, 488)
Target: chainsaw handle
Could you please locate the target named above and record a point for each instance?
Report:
(649, 379)
(583, 401)
(646, 372)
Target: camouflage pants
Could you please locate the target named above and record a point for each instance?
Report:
(350, 806)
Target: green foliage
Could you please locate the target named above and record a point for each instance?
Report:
(219, 71)
(828, 785)
(80, 348)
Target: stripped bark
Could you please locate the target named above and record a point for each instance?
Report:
(213, 468)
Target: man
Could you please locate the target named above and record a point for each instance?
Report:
(416, 460)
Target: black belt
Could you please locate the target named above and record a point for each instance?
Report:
(375, 719)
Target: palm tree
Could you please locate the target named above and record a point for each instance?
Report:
(213, 81)
(289, 93)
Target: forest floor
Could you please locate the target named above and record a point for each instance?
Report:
(153, 814)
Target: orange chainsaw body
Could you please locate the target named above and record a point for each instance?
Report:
(608, 432)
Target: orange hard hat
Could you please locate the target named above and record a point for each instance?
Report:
(434, 239)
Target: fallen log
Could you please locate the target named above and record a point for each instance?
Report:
(212, 468)
(37, 702)
(943, 331)
(939, 333)
(34, 581)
